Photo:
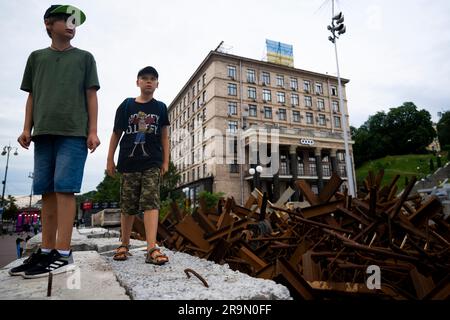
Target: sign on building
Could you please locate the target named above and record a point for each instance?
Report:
(280, 53)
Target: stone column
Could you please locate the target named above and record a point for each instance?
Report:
(318, 154)
(306, 162)
(333, 160)
(294, 170)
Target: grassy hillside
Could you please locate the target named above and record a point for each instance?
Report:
(405, 165)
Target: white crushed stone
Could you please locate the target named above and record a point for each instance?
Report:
(169, 282)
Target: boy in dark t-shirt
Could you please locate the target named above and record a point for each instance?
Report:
(143, 159)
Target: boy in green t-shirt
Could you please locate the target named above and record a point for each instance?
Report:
(62, 110)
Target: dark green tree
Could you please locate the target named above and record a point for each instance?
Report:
(431, 165)
(411, 130)
(439, 161)
(443, 129)
(402, 130)
(108, 189)
(11, 208)
(360, 148)
(169, 183)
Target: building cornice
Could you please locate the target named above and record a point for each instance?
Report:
(216, 54)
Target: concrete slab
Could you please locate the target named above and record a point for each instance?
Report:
(91, 279)
(87, 241)
(100, 277)
(169, 282)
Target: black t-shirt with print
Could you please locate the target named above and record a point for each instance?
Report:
(141, 123)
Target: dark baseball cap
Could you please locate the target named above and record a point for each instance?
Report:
(148, 70)
(78, 15)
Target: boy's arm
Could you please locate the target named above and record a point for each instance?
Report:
(92, 141)
(165, 147)
(25, 138)
(113, 142)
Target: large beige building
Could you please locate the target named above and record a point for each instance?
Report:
(230, 102)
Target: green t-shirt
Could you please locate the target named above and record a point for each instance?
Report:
(58, 81)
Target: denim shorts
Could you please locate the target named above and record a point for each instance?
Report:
(58, 163)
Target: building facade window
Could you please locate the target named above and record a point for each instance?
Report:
(232, 89)
(326, 171)
(232, 126)
(252, 110)
(251, 76)
(294, 99)
(319, 88)
(204, 96)
(296, 116)
(334, 91)
(321, 104)
(232, 108)
(322, 121)
(268, 112)
(309, 118)
(251, 92)
(265, 77)
(281, 97)
(342, 170)
(204, 79)
(282, 114)
(284, 170)
(308, 101)
(335, 105)
(300, 166)
(337, 122)
(267, 95)
(312, 169)
(294, 84)
(232, 72)
(307, 86)
(280, 80)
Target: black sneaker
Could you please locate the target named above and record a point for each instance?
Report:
(54, 263)
(28, 263)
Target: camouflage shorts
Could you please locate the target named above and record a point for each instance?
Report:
(139, 191)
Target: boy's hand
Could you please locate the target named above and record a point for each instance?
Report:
(111, 168)
(92, 142)
(24, 139)
(164, 168)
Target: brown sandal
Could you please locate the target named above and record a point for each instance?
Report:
(122, 253)
(157, 258)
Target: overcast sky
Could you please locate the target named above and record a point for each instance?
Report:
(393, 51)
